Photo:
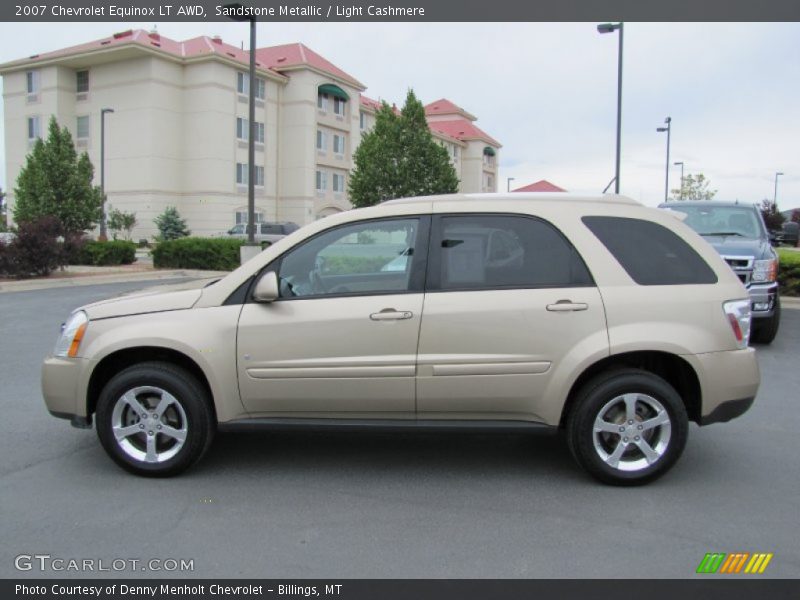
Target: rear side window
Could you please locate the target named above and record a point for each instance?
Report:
(474, 252)
(649, 252)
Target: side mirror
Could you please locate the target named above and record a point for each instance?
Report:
(267, 288)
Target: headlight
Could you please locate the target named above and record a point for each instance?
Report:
(71, 335)
(765, 271)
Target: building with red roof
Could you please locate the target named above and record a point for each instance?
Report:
(178, 133)
(540, 186)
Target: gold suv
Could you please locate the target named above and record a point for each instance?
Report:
(611, 321)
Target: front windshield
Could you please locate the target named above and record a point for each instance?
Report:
(722, 220)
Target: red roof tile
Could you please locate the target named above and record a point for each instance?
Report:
(540, 186)
(292, 55)
(462, 129)
(443, 106)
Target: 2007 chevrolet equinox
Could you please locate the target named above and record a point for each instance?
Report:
(610, 320)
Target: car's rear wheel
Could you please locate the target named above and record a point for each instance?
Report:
(765, 330)
(154, 419)
(627, 427)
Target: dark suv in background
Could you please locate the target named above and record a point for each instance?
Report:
(738, 233)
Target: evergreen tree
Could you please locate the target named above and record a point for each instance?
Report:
(56, 182)
(399, 158)
(171, 225)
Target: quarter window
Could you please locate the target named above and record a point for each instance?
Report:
(366, 258)
(475, 252)
(650, 253)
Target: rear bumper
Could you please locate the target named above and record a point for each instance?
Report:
(729, 382)
(763, 299)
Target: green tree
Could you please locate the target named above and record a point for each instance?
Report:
(56, 182)
(694, 187)
(399, 158)
(171, 225)
(773, 218)
(121, 221)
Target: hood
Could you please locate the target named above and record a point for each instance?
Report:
(734, 245)
(179, 296)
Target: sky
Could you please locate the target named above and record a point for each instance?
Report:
(548, 92)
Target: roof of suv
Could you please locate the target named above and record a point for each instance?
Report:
(559, 197)
(727, 204)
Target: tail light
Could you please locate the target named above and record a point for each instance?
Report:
(738, 314)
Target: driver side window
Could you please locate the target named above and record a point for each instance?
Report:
(365, 258)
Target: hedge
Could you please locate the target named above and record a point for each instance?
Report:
(101, 254)
(214, 254)
(789, 272)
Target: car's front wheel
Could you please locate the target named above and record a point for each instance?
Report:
(627, 427)
(154, 419)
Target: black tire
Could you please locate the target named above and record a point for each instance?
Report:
(187, 411)
(765, 330)
(608, 389)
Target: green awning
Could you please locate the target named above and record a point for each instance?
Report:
(489, 151)
(333, 90)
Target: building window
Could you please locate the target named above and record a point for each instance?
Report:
(82, 127)
(32, 79)
(322, 181)
(489, 182)
(338, 183)
(241, 218)
(33, 128)
(362, 117)
(242, 171)
(322, 102)
(243, 85)
(322, 141)
(243, 130)
(82, 82)
(455, 153)
(338, 106)
(338, 144)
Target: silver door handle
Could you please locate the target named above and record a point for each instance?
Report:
(567, 306)
(390, 314)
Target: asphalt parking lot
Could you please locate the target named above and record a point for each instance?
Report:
(339, 505)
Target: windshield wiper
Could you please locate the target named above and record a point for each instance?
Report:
(723, 233)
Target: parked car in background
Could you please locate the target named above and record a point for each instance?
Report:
(737, 231)
(598, 316)
(266, 233)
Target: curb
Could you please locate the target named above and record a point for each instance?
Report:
(67, 282)
(790, 303)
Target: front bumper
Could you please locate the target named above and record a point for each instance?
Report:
(763, 299)
(63, 387)
(729, 382)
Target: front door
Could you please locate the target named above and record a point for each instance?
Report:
(341, 340)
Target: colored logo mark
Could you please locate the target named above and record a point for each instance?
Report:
(736, 562)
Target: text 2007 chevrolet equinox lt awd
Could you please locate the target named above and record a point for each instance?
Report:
(614, 322)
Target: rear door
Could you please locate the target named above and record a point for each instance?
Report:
(510, 311)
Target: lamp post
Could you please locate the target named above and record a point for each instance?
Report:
(508, 183)
(681, 164)
(103, 112)
(609, 28)
(251, 142)
(775, 197)
(668, 129)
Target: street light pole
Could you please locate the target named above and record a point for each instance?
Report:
(668, 129)
(103, 112)
(681, 164)
(608, 28)
(775, 197)
(508, 183)
(251, 141)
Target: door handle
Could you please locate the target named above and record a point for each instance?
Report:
(567, 306)
(390, 314)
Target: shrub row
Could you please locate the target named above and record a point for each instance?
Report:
(789, 279)
(216, 254)
(112, 252)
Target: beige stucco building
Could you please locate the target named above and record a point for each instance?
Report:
(178, 133)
